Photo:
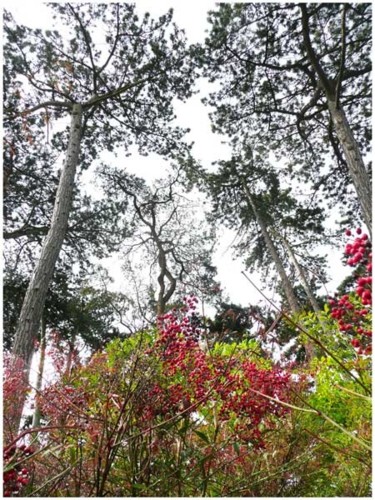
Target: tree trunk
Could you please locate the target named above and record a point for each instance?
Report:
(69, 359)
(33, 304)
(287, 286)
(301, 274)
(39, 380)
(356, 166)
(164, 295)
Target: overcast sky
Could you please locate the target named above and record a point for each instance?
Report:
(208, 147)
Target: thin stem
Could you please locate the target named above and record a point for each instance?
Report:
(299, 327)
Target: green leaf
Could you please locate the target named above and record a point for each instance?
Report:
(203, 436)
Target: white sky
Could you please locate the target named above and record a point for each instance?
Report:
(208, 147)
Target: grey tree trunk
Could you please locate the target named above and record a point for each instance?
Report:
(354, 160)
(164, 295)
(39, 380)
(300, 273)
(287, 286)
(33, 304)
(356, 166)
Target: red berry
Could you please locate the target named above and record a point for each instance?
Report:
(348, 232)
(358, 230)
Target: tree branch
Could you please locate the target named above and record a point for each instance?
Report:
(342, 57)
(311, 53)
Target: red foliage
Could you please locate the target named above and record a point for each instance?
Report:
(351, 319)
(15, 389)
(234, 386)
(16, 475)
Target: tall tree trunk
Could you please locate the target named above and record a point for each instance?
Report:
(39, 380)
(356, 166)
(354, 160)
(300, 273)
(286, 284)
(33, 304)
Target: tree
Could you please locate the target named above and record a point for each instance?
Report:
(91, 230)
(290, 77)
(113, 98)
(249, 197)
(170, 234)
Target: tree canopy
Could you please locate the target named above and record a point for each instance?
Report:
(130, 368)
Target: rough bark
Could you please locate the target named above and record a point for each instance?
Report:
(353, 157)
(39, 380)
(356, 166)
(287, 286)
(33, 304)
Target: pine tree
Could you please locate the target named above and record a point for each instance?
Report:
(296, 78)
(114, 96)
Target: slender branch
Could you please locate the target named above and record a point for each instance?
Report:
(367, 398)
(311, 409)
(329, 419)
(46, 104)
(88, 45)
(300, 328)
(311, 53)
(339, 450)
(343, 54)
(115, 42)
(36, 430)
(25, 231)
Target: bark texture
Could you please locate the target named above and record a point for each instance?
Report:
(39, 380)
(356, 166)
(331, 89)
(33, 304)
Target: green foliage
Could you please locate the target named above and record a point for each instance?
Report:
(190, 406)
(125, 431)
(269, 92)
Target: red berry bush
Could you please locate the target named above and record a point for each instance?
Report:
(352, 311)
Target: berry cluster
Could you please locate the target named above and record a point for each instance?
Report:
(229, 383)
(359, 249)
(352, 310)
(244, 402)
(15, 476)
